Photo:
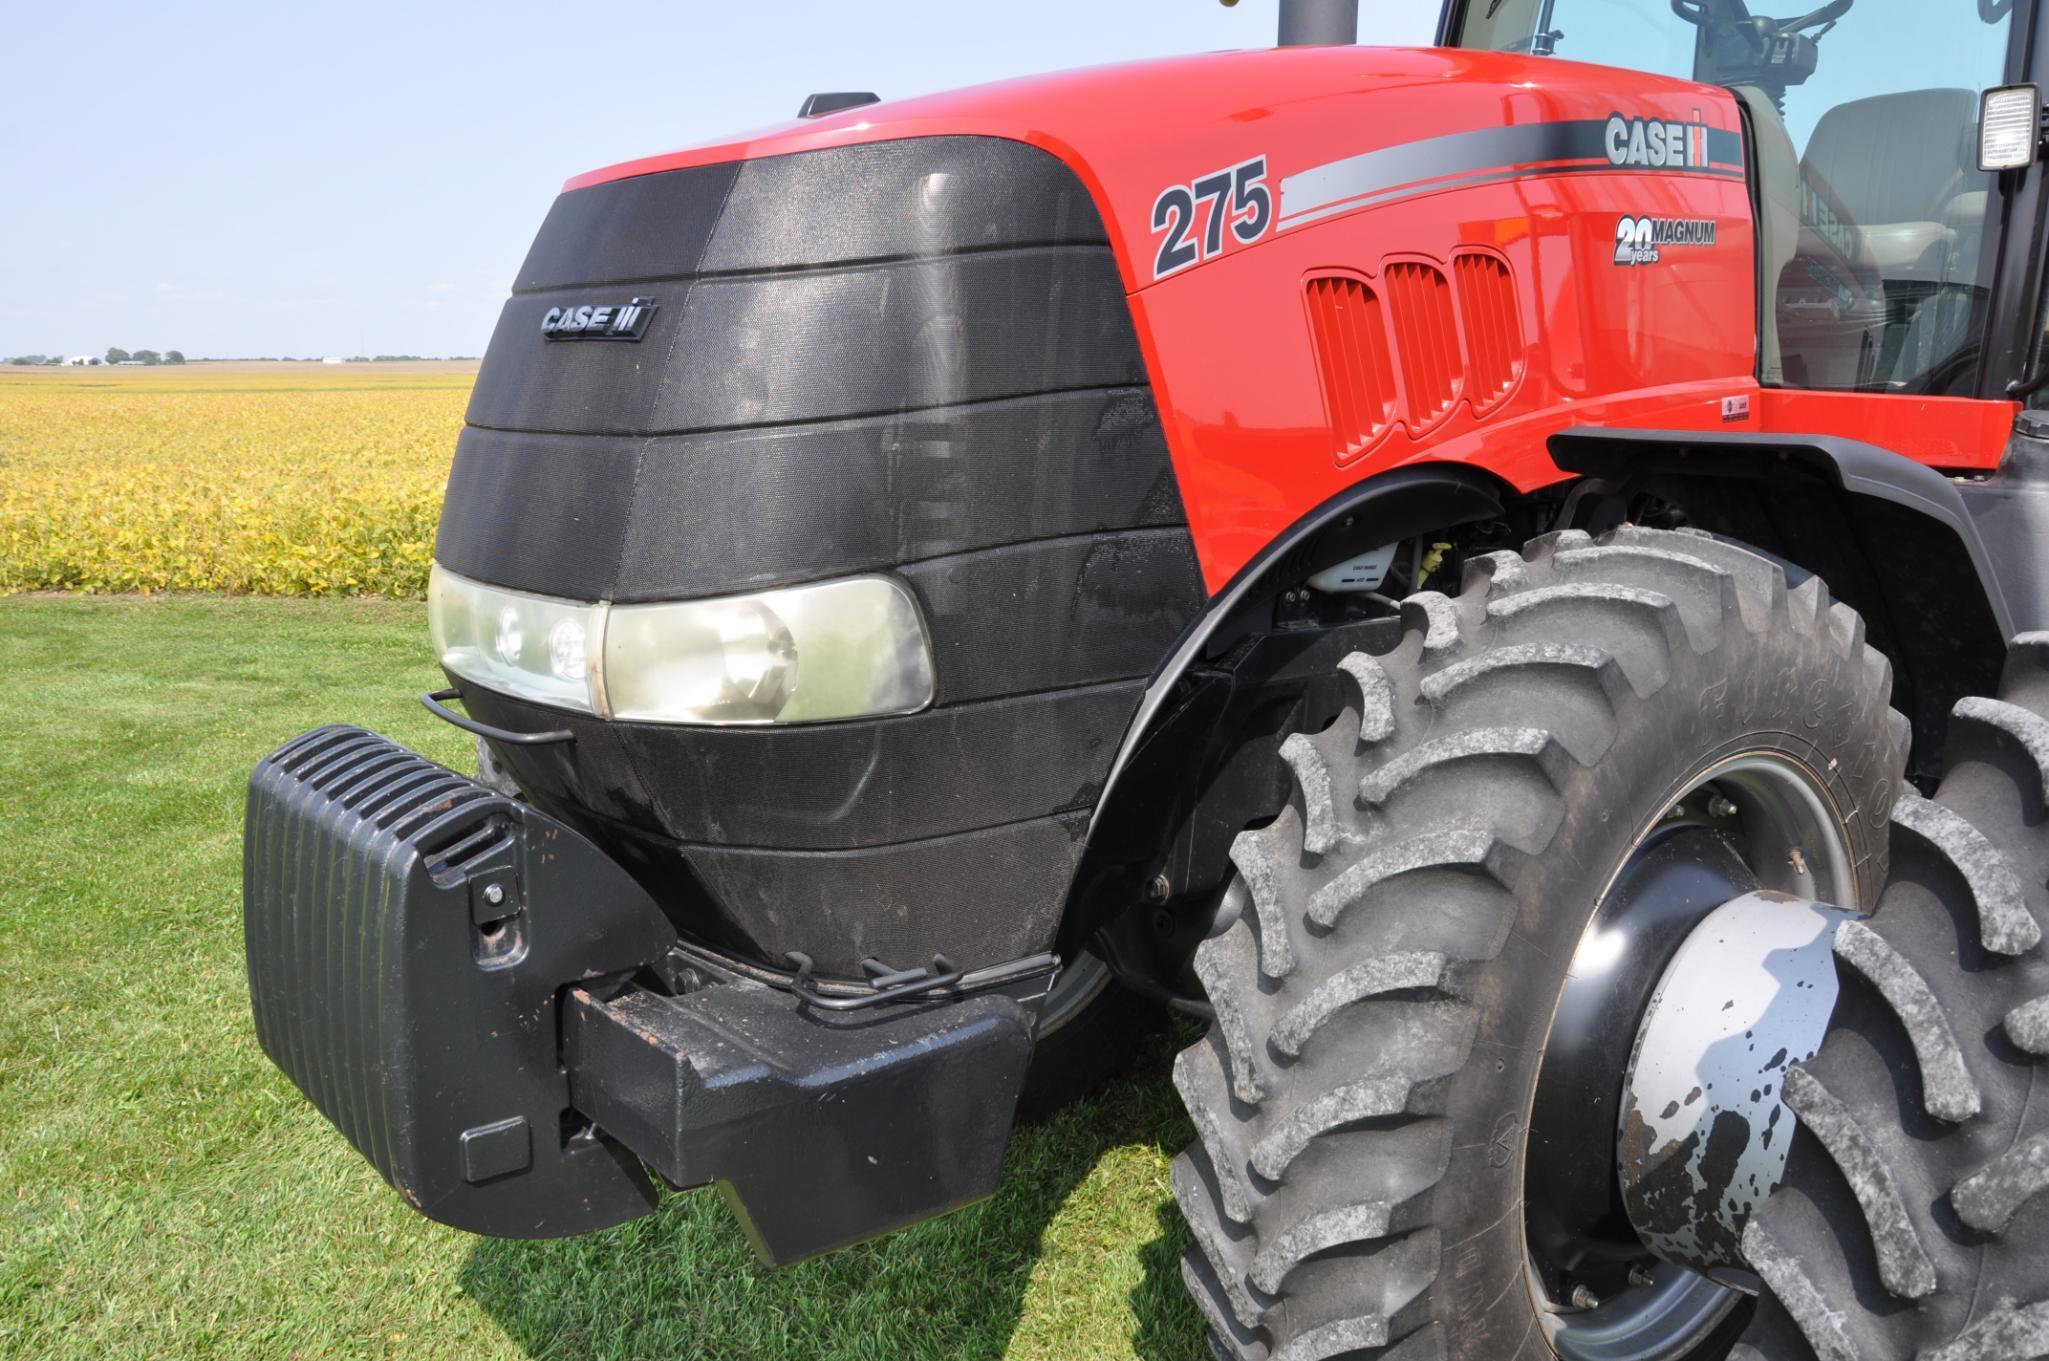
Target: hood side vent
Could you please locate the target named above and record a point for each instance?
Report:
(1494, 341)
(1350, 335)
(1408, 348)
(1425, 342)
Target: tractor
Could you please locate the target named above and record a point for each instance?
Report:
(1509, 578)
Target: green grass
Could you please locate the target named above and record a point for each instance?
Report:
(164, 1190)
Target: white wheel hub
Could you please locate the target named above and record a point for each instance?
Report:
(1704, 1130)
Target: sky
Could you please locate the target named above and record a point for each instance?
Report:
(239, 180)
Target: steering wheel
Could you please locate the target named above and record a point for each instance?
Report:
(1699, 12)
(1741, 48)
(1696, 12)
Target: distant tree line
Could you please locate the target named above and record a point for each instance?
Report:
(115, 355)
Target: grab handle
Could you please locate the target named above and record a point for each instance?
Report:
(433, 700)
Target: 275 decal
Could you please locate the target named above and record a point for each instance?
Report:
(1236, 197)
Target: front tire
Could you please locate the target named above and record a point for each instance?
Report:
(1362, 1103)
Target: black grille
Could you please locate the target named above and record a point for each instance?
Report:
(910, 356)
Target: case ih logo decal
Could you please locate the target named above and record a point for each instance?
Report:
(607, 321)
(1617, 144)
(1658, 145)
(1638, 239)
(1236, 196)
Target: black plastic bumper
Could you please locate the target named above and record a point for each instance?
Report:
(822, 1131)
(451, 977)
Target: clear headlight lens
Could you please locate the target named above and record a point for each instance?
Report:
(838, 649)
(532, 646)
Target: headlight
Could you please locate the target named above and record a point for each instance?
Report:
(853, 648)
(533, 646)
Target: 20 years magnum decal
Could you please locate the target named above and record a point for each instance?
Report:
(1236, 197)
(1641, 240)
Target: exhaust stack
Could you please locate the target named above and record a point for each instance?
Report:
(1319, 23)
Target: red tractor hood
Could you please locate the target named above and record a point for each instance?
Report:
(1131, 131)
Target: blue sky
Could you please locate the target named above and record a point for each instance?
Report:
(245, 179)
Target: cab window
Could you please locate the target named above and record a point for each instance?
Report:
(1863, 116)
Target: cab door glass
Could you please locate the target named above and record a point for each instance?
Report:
(1877, 267)
(1863, 119)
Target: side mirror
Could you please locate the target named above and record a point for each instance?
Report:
(2009, 127)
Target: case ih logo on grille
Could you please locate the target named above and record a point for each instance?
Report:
(1660, 145)
(1639, 239)
(608, 321)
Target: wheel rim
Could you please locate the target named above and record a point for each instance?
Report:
(1754, 821)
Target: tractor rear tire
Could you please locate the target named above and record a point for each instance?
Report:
(1362, 1102)
(1908, 1224)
